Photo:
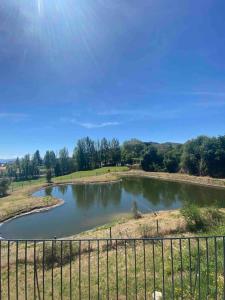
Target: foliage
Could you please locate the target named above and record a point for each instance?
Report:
(49, 176)
(4, 186)
(202, 156)
(200, 219)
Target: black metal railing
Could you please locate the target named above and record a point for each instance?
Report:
(171, 268)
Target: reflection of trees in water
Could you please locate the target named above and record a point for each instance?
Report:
(48, 191)
(89, 194)
(155, 191)
(166, 192)
(202, 196)
(63, 188)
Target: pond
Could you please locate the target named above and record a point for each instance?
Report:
(91, 205)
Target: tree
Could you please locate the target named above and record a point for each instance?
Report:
(85, 154)
(152, 160)
(64, 160)
(4, 186)
(115, 152)
(50, 159)
(49, 175)
(132, 151)
(37, 158)
(57, 169)
(104, 150)
(171, 159)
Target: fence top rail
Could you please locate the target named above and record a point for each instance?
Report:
(115, 239)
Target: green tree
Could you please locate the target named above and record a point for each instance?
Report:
(115, 152)
(37, 158)
(152, 160)
(50, 159)
(132, 151)
(49, 176)
(64, 160)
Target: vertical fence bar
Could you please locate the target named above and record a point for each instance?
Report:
(135, 268)
(207, 266)
(8, 270)
(153, 263)
(53, 245)
(190, 265)
(107, 267)
(17, 287)
(223, 268)
(0, 270)
(199, 270)
(61, 268)
(43, 270)
(34, 269)
(163, 270)
(98, 270)
(70, 270)
(89, 270)
(145, 281)
(216, 268)
(125, 254)
(117, 284)
(172, 267)
(181, 269)
(25, 271)
(80, 270)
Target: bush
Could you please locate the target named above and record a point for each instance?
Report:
(135, 212)
(62, 253)
(147, 231)
(4, 186)
(198, 219)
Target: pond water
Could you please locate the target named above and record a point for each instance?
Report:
(91, 205)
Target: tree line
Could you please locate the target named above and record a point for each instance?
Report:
(200, 156)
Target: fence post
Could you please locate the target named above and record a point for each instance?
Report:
(157, 226)
(110, 232)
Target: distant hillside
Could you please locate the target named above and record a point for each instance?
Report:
(4, 161)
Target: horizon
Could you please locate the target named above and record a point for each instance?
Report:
(69, 69)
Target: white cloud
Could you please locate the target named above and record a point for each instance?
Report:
(90, 125)
(211, 103)
(12, 116)
(98, 125)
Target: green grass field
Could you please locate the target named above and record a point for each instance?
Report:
(181, 269)
(76, 175)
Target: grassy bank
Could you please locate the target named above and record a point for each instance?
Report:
(20, 200)
(187, 268)
(200, 180)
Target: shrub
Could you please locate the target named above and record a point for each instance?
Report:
(193, 217)
(198, 219)
(135, 212)
(147, 231)
(4, 186)
(58, 253)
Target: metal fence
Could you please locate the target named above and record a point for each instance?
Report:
(175, 268)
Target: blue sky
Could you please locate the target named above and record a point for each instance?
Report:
(154, 70)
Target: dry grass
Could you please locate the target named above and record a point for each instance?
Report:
(200, 180)
(21, 201)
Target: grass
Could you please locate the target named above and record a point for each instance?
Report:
(121, 268)
(95, 270)
(91, 173)
(20, 200)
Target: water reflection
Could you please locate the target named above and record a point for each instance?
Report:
(91, 205)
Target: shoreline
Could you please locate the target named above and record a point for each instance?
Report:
(105, 179)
